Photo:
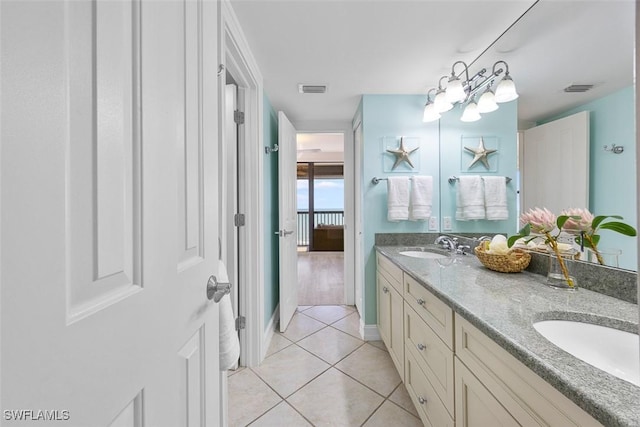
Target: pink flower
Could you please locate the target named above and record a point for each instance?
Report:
(582, 224)
(541, 220)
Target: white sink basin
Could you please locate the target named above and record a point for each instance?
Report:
(611, 350)
(423, 254)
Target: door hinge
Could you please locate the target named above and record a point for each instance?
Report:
(241, 322)
(238, 117)
(238, 220)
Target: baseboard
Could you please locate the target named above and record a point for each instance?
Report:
(269, 331)
(369, 332)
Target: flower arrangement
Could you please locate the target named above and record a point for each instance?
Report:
(580, 222)
(586, 226)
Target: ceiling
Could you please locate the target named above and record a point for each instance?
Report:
(358, 47)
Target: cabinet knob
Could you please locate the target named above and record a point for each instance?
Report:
(420, 301)
(421, 347)
(422, 400)
(385, 290)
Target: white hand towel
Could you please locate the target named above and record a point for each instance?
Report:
(420, 200)
(495, 198)
(398, 198)
(470, 198)
(229, 342)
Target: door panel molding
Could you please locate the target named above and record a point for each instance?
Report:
(103, 197)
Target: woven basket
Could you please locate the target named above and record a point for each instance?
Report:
(513, 262)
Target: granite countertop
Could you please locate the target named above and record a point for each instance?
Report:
(505, 306)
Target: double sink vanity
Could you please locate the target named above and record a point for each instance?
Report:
(478, 347)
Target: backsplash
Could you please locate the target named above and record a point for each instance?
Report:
(614, 282)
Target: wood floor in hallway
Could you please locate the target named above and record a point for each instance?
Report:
(320, 278)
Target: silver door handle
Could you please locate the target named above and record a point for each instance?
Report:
(215, 290)
(283, 233)
(421, 347)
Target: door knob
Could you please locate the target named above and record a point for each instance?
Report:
(215, 290)
(283, 233)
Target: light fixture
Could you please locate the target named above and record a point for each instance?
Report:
(441, 102)
(506, 89)
(487, 102)
(464, 92)
(471, 113)
(455, 88)
(430, 113)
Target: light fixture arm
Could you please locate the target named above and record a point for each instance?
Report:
(496, 73)
(433, 89)
(440, 82)
(466, 70)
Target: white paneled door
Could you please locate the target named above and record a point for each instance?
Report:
(109, 213)
(287, 205)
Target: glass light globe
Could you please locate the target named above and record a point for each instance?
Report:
(430, 113)
(487, 102)
(455, 92)
(470, 113)
(506, 90)
(441, 103)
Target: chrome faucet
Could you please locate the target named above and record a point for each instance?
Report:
(452, 244)
(447, 242)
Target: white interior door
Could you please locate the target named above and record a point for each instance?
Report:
(358, 255)
(109, 216)
(287, 220)
(229, 191)
(555, 164)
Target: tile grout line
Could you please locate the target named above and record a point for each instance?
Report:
(331, 365)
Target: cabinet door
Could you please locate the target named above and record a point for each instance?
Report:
(384, 308)
(390, 321)
(475, 405)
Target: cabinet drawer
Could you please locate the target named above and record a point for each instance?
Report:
(431, 410)
(434, 312)
(432, 355)
(528, 398)
(475, 406)
(390, 271)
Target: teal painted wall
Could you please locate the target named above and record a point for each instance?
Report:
(612, 189)
(439, 155)
(270, 188)
(499, 130)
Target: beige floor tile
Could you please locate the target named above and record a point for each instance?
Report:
(237, 370)
(379, 344)
(278, 342)
(280, 416)
(329, 313)
(333, 399)
(389, 414)
(249, 398)
(302, 308)
(289, 369)
(302, 326)
(372, 367)
(329, 344)
(349, 324)
(401, 397)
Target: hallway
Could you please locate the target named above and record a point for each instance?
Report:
(320, 278)
(319, 373)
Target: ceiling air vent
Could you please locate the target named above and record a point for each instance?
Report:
(577, 88)
(312, 88)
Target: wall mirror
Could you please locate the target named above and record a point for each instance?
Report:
(555, 51)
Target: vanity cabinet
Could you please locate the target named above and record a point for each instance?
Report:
(528, 399)
(454, 373)
(390, 310)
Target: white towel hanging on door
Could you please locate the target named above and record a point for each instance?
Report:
(229, 342)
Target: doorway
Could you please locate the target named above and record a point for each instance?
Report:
(320, 218)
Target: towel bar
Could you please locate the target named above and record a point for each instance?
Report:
(453, 179)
